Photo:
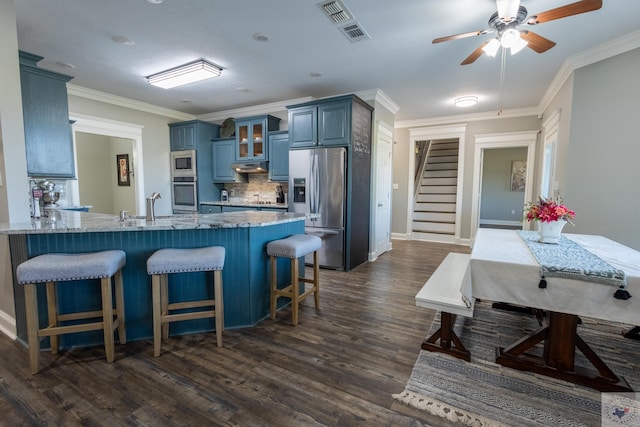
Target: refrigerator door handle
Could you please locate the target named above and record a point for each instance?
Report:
(312, 178)
(323, 232)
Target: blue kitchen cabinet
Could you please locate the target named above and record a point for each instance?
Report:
(323, 123)
(45, 108)
(278, 156)
(190, 135)
(223, 154)
(251, 137)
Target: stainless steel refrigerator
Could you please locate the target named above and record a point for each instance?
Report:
(318, 184)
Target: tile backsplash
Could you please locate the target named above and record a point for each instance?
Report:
(258, 183)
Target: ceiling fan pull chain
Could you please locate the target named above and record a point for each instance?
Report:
(502, 73)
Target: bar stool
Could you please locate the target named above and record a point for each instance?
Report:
(167, 261)
(54, 268)
(294, 247)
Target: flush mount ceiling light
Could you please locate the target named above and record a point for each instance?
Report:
(465, 101)
(185, 74)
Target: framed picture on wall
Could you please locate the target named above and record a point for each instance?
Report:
(518, 175)
(122, 164)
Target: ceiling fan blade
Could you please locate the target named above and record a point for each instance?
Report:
(474, 55)
(537, 42)
(564, 11)
(460, 36)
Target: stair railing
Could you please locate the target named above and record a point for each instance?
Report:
(421, 161)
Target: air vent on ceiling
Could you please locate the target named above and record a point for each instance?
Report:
(354, 32)
(335, 11)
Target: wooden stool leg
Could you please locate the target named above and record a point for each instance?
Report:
(316, 279)
(164, 303)
(107, 318)
(157, 330)
(274, 284)
(219, 306)
(122, 332)
(33, 324)
(52, 311)
(295, 291)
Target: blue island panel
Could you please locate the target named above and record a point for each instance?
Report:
(245, 276)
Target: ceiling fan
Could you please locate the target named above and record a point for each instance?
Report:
(509, 17)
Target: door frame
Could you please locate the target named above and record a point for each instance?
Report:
(100, 126)
(501, 140)
(386, 130)
(455, 131)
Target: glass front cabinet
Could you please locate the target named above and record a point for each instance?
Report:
(251, 137)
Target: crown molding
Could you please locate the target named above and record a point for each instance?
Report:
(599, 53)
(465, 118)
(254, 110)
(107, 98)
(379, 96)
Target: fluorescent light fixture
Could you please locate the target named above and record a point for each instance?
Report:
(185, 74)
(492, 47)
(465, 101)
(518, 46)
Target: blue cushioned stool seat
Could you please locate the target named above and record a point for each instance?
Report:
(63, 267)
(294, 247)
(186, 260)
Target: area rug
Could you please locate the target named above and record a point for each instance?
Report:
(482, 393)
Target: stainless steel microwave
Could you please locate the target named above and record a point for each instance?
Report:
(183, 163)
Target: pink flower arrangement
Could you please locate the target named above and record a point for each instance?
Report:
(548, 210)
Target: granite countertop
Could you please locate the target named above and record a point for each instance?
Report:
(248, 204)
(63, 221)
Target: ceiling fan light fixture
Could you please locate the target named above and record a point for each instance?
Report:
(509, 38)
(185, 74)
(518, 46)
(491, 48)
(465, 101)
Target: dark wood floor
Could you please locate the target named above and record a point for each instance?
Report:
(339, 367)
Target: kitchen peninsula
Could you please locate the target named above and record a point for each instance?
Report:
(244, 235)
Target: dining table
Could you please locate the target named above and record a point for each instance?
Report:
(504, 269)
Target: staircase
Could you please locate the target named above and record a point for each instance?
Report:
(434, 211)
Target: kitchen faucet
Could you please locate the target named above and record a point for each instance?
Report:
(151, 201)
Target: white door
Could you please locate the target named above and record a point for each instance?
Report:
(382, 224)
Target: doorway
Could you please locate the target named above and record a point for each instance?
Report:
(99, 184)
(121, 138)
(485, 142)
(382, 191)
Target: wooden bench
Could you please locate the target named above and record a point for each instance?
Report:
(444, 292)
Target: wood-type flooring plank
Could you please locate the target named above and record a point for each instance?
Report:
(338, 367)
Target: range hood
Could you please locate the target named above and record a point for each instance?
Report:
(251, 167)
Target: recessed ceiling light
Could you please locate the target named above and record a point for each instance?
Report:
(260, 37)
(465, 101)
(315, 74)
(185, 101)
(242, 89)
(123, 40)
(65, 65)
(155, 1)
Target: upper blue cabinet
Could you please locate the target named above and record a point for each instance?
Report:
(251, 137)
(47, 132)
(191, 135)
(278, 156)
(326, 122)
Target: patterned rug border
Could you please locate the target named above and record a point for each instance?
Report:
(446, 387)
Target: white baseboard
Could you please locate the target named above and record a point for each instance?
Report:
(8, 325)
(399, 236)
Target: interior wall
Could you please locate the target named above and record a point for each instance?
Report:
(401, 167)
(95, 171)
(499, 202)
(155, 142)
(602, 170)
(124, 197)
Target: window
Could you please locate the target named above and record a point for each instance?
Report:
(547, 178)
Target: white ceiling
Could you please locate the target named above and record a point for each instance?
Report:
(399, 59)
